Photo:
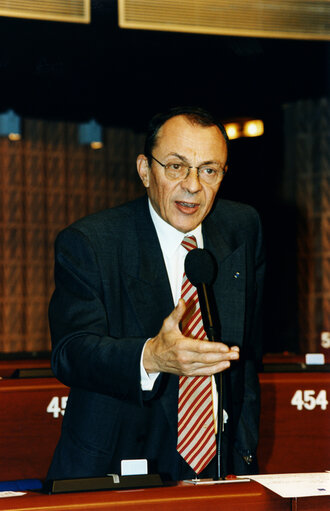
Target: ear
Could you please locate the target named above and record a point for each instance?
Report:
(143, 169)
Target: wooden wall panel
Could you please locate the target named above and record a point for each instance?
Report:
(47, 181)
(306, 184)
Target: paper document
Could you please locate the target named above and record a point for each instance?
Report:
(4, 494)
(296, 485)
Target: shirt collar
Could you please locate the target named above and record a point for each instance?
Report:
(169, 237)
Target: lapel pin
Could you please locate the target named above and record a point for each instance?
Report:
(236, 275)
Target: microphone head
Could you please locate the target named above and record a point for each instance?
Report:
(200, 266)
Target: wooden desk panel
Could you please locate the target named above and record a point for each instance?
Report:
(293, 440)
(311, 504)
(184, 497)
(28, 432)
(8, 367)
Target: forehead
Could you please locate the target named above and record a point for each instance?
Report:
(180, 135)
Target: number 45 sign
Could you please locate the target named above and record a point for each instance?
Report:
(309, 400)
(57, 406)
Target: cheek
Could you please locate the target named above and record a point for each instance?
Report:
(166, 194)
(165, 201)
(209, 198)
(161, 196)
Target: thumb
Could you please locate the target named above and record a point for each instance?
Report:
(173, 320)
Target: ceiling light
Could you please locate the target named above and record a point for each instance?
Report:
(244, 128)
(233, 130)
(10, 125)
(253, 128)
(90, 133)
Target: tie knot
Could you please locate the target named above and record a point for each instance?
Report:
(189, 243)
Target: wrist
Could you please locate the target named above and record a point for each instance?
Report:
(148, 358)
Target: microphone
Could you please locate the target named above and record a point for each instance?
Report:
(201, 270)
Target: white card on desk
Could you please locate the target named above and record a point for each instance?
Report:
(134, 467)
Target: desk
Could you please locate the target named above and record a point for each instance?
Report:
(30, 422)
(184, 497)
(294, 426)
(291, 440)
(9, 367)
(311, 504)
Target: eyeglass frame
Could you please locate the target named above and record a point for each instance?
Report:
(224, 170)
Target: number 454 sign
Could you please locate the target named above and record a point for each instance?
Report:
(309, 400)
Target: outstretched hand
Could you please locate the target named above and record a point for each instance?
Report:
(172, 352)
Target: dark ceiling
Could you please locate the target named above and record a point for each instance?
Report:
(69, 71)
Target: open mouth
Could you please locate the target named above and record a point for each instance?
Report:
(187, 207)
(187, 204)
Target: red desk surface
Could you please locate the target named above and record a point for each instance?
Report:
(184, 497)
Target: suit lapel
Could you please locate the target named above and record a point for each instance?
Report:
(151, 297)
(230, 284)
(147, 282)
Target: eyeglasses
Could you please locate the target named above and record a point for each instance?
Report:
(209, 174)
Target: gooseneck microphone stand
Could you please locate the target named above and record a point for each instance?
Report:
(201, 269)
(213, 331)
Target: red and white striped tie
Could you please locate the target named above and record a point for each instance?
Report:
(196, 426)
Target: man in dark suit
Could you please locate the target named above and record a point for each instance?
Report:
(116, 311)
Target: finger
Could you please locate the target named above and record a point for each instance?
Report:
(203, 370)
(205, 346)
(190, 355)
(210, 358)
(214, 358)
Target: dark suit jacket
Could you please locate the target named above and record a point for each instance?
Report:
(112, 293)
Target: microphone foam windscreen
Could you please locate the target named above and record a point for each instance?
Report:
(200, 266)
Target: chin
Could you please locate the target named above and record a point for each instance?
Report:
(185, 227)
(185, 223)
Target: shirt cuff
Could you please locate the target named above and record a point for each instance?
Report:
(147, 380)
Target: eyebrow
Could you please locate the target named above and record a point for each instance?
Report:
(184, 159)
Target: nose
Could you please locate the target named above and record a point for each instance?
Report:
(192, 183)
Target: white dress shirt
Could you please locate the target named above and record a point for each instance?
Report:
(174, 255)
